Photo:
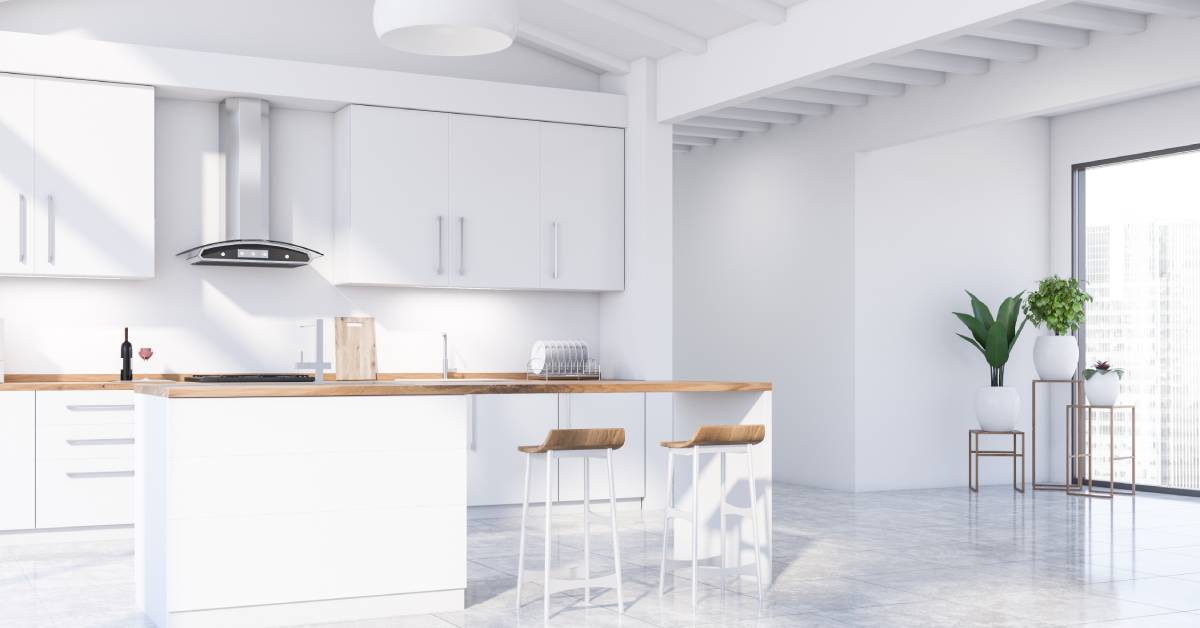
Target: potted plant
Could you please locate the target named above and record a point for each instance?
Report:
(1102, 383)
(995, 405)
(1057, 306)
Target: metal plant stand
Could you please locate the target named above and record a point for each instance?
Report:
(1078, 489)
(974, 453)
(1033, 433)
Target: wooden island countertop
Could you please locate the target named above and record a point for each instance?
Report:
(183, 390)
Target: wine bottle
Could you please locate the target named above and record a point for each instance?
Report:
(126, 359)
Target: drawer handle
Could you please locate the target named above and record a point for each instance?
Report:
(118, 407)
(77, 475)
(77, 442)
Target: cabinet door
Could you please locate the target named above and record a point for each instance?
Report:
(583, 207)
(16, 460)
(627, 410)
(16, 175)
(95, 179)
(498, 425)
(393, 180)
(494, 207)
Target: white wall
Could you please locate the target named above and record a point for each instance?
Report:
(932, 218)
(224, 319)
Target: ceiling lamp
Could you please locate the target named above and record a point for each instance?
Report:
(447, 28)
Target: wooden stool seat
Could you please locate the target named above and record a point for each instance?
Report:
(578, 440)
(721, 435)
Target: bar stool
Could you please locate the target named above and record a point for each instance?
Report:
(575, 443)
(721, 440)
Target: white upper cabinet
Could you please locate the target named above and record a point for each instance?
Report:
(494, 208)
(392, 185)
(95, 179)
(17, 178)
(583, 207)
(433, 199)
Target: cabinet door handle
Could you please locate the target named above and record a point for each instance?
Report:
(50, 228)
(438, 262)
(84, 442)
(462, 244)
(24, 220)
(556, 250)
(77, 475)
(99, 407)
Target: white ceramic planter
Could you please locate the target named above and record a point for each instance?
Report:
(1056, 357)
(1102, 389)
(996, 408)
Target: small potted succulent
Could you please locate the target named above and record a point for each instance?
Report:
(1057, 306)
(996, 406)
(1102, 383)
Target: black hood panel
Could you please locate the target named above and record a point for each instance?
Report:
(262, 253)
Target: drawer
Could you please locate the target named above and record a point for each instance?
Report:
(82, 441)
(69, 407)
(84, 492)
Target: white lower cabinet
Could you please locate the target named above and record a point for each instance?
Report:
(84, 458)
(627, 410)
(16, 460)
(498, 424)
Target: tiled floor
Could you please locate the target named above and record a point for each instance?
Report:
(911, 558)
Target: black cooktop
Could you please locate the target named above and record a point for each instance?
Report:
(251, 378)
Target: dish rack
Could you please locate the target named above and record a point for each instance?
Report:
(561, 359)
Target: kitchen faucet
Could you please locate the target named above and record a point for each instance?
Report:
(320, 364)
(445, 358)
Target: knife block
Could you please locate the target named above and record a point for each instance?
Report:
(355, 348)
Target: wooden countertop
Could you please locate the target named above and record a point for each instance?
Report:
(389, 385)
(438, 387)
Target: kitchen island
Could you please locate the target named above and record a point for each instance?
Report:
(297, 503)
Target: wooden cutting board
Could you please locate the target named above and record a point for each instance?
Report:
(355, 341)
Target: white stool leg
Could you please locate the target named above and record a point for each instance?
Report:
(758, 572)
(546, 567)
(721, 560)
(612, 513)
(587, 532)
(662, 570)
(524, 522)
(695, 523)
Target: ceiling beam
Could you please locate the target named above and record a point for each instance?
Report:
(1093, 19)
(987, 48)
(822, 96)
(898, 74)
(762, 10)
(1174, 8)
(638, 22)
(771, 117)
(689, 140)
(1038, 34)
(728, 123)
(942, 62)
(567, 47)
(789, 106)
(859, 86)
(697, 131)
(816, 39)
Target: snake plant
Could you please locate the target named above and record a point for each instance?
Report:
(993, 336)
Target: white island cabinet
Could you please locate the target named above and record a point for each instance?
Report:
(290, 504)
(16, 460)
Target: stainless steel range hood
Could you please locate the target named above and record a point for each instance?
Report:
(245, 151)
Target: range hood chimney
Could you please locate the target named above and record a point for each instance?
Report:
(245, 152)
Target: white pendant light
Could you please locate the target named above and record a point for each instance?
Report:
(448, 28)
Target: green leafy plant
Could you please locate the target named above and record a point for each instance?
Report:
(1057, 305)
(1102, 366)
(993, 336)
